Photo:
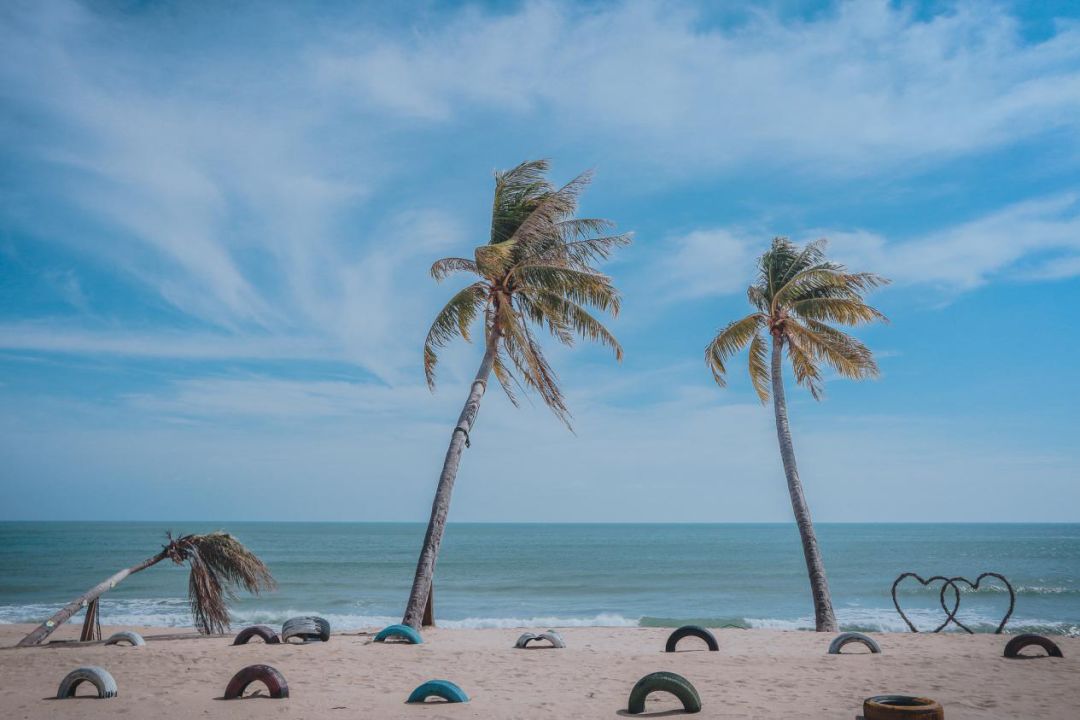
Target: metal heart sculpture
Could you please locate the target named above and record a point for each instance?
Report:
(950, 614)
(975, 586)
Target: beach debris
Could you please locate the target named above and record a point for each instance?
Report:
(853, 637)
(274, 681)
(267, 633)
(444, 689)
(99, 677)
(404, 632)
(1018, 643)
(132, 638)
(691, 631)
(668, 682)
(901, 707)
(951, 583)
(219, 564)
(551, 636)
(307, 628)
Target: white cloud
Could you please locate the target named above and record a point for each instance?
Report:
(865, 86)
(1031, 240)
(708, 262)
(1027, 240)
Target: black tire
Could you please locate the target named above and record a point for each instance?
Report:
(1018, 643)
(853, 637)
(132, 638)
(99, 677)
(668, 682)
(692, 631)
(267, 633)
(307, 628)
(274, 681)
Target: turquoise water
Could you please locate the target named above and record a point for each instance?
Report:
(504, 575)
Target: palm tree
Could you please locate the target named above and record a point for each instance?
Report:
(797, 294)
(536, 269)
(219, 564)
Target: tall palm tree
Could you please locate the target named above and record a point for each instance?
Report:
(798, 293)
(219, 564)
(536, 271)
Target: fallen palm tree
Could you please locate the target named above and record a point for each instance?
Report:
(219, 564)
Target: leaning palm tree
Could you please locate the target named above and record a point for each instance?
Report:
(536, 271)
(798, 293)
(219, 564)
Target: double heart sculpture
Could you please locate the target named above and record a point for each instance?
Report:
(950, 614)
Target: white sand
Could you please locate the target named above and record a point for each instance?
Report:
(756, 674)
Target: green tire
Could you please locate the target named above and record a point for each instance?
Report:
(668, 682)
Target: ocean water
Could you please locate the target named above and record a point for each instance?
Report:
(521, 575)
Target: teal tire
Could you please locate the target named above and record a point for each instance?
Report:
(444, 689)
(404, 632)
(668, 682)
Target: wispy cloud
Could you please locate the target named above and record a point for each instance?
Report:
(1031, 240)
(863, 86)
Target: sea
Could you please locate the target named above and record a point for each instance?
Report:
(358, 575)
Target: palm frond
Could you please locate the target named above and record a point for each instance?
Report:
(553, 308)
(760, 374)
(807, 372)
(440, 269)
(846, 311)
(729, 341)
(220, 565)
(453, 320)
(539, 230)
(844, 353)
(580, 286)
(517, 191)
(529, 360)
(826, 280)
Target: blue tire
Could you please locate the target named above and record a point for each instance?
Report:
(444, 689)
(404, 632)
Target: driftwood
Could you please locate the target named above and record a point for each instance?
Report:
(47, 628)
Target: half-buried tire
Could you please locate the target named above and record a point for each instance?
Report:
(668, 682)
(126, 636)
(306, 628)
(402, 632)
(852, 637)
(551, 636)
(274, 681)
(267, 633)
(691, 631)
(901, 707)
(99, 677)
(444, 689)
(1018, 643)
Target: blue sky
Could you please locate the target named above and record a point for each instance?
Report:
(216, 222)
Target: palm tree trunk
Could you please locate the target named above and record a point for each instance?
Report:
(425, 566)
(46, 628)
(824, 619)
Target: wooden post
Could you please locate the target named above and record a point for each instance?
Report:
(91, 629)
(429, 609)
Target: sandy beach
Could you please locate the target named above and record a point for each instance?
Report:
(756, 674)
